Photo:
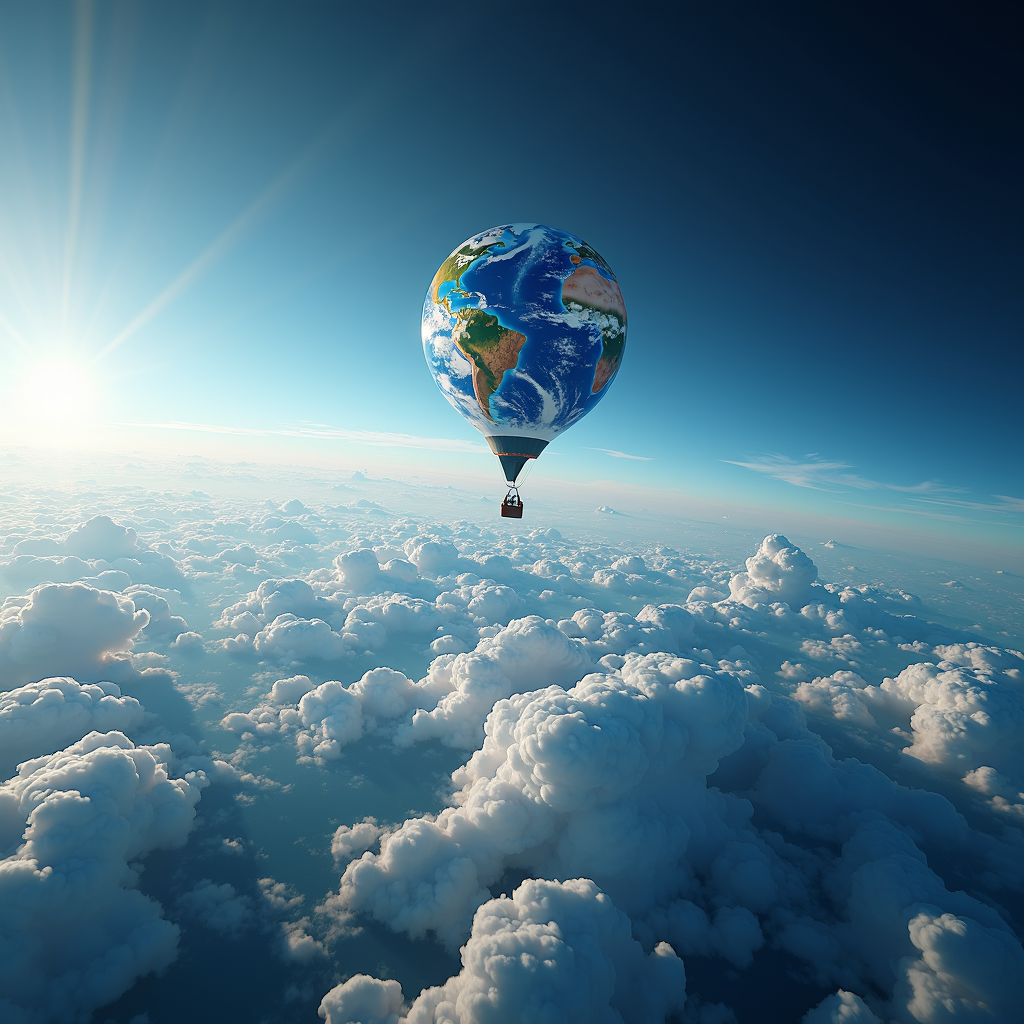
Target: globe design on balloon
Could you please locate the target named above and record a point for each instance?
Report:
(524, 328)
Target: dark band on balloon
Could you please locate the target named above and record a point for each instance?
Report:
(510, 444)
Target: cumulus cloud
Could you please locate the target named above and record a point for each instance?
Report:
(553, 951)
(566, 782)
(163, 622)
(290, 690)
(101, 537)
(779, 571)
(99, 551)
(575, 744)
(359, 569)
(296, 942)
(74, 931)
(27, 571)
(643, 742)
(327, 717)
(363, 999)
(293, 640)
(350, 841)
(40, 718)
(460, 688)
(1003, 795)
(271, 598)
(842, 1008)
(528, 653)
(964, 714)
(67, 629)
(218, 907)
(964, 969)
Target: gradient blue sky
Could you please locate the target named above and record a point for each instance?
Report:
(227, 215)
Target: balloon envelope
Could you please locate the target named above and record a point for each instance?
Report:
(524, 328)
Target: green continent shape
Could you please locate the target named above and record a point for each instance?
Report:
(456, 265)
(492, 348)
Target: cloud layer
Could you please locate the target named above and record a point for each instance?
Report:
(666, 758)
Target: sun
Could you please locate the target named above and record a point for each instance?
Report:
(58, 391)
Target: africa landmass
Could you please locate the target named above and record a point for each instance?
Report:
(492, 348)
(592, 296)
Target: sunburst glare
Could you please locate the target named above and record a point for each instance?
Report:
(56, 394)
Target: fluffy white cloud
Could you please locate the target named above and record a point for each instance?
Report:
(553, 951)
(332, 716)
(527, 654)
(386, 693)
(605, 779)
(964, 714)
(453, 699)
(359, 570)
(779, 571)
(1003, 795)
(293, 640)
(641, 749)
(68, 629)
(969, 708)
(327, 717)
(163, 622)
(436, 557)
(573, 781)
(272, 598)
(363, 1000)
(964, 970)
(101, 537)
(296, 942)
(74, 931)
(350, 841)
(482, 603)
(290, 690)
(99, 552)
(40, 718)
(842, 1008)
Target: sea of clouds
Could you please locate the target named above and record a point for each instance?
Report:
(685, 787)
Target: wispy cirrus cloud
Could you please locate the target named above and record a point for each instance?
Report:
(951, 511)
(621, 455)
(931, 499)
(822, 474)
(324, 432)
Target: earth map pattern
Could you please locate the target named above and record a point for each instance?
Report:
(524, 328)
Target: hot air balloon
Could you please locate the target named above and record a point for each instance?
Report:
(523, 331)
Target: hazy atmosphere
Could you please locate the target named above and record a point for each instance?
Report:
(729, 727)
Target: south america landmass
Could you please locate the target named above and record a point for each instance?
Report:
(492, 348)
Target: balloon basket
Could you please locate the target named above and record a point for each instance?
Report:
(512, 506)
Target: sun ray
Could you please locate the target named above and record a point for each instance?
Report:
(224, 242)
(84, 19)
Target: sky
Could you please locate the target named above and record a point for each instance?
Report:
(226, 216)
(727, 729)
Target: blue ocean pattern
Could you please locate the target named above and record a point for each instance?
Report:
(524, 329)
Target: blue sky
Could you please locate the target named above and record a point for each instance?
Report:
(227, 216)
(797, 761)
